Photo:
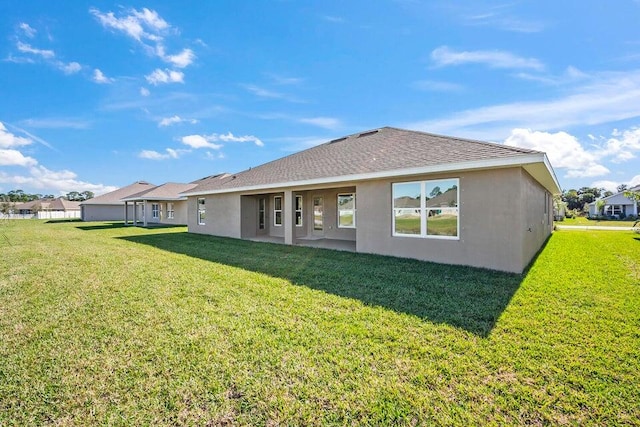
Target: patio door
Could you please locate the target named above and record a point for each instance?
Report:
(318, 216)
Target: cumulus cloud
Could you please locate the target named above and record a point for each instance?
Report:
(622, 145)
(168, 121)
(169, 153)
(70, 68)
(159, 76)
(180, 60)
(100, 78)
(444, 56)
(62, 181)
(8, 139)
(15, 158)
(144, 91)
(200, 141)
(229, 137)
(563, 150)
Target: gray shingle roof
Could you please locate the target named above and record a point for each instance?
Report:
(114, 197)
(378, 150)
(167, 191)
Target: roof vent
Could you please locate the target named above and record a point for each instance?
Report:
(371, 132)
(337, 140)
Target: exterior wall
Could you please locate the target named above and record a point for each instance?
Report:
(222, 215)
(330, 210)
(537, 214)
(492, 228)
(180, 213)
(105, 212)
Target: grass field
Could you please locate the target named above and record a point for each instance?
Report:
(601, 223)
(104, 324)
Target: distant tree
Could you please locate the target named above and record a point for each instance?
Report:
(86, 195)
(600, 206)
(622, 188)
(435, 192)
(607, 193)
(572, 199)
(73, 196)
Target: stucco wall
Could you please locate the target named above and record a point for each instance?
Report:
(491, 222)
(537, 214)
(104, 212)
(222, 215)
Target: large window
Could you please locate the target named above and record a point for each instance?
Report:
(201, 211)
(262, 213)
(277, 210)
(347, 210)
(298, 211)
(170, 211)
(426, 208)
(155, 211)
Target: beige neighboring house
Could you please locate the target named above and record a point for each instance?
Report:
(158, 205)
(109, 206)
(58, 208)
(392, 192)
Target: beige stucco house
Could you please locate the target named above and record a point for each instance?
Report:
(109, 206)
(160, 204)
(393, 192)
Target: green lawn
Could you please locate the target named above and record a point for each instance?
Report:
(104, 324)
(601, 223)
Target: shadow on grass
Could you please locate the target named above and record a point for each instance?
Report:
(101, 226)
(57, 221)
(464, 297)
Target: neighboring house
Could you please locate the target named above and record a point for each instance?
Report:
(392, 192)
(48, 209)
(616, 205)
(109, 206)
(160, 205)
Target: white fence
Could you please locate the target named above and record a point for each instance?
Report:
(43, 215)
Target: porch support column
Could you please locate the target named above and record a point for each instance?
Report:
(287, 221)
(144, 216)
(135, 214)
(126, 213)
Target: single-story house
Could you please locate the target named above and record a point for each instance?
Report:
(161, 204)
(49, 208)
(616, 205)
(392, 192)
(109, 206)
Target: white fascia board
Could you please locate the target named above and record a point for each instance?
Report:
(154, 199)
(422, 170)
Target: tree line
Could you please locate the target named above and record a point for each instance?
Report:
(19, 196)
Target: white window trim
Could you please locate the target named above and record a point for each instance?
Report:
(354, 210)
(155, 210)
(301, 210)
(170, 210)
(275, 224)
(201, 210)
(423, 212)
(262, 210)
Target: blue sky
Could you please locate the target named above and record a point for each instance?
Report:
(96, 95)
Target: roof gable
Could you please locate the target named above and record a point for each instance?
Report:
(114, 197)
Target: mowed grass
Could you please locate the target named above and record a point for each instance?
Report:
(600, 223)
(102, 324)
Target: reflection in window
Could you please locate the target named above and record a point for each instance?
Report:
(426, 208)
(347, 210)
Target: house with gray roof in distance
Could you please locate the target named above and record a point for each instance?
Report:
(616, 206)
(160, 204)
(393, 192)
(109, 206)
(57, 208)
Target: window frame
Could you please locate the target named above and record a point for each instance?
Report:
(170, 210)
(276, 211)
(262, 213)
(155, 210)
(424, 210)
(353, 210)
(298, 210)
(201, 211)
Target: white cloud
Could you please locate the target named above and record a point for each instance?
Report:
(61, 181)
(144, 91)
(168, 121)
(563, 150)
(27, 48)
(100, 78)
(56, 123)
(622, 146)
(15, 158)
(159, 76)
(8, 139)
(200, 141)
(27, 30)
(634, 181)
(606, 97)
(444, 56)
(263, 93)
(151, 19)
(607, 185)
(229, 137)
(180, 60)
(169, 154)
(323, 122)
(70, 68)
